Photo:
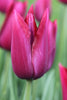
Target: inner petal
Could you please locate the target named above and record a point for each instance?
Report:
(30, 20)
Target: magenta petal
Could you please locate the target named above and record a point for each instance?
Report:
(5, 4)
(5, 34)
(40, 48)
(40, 7)
(31, 10)
(21, 48)
(52, 31)
(21, 7)
(63, 77)
(30, 20)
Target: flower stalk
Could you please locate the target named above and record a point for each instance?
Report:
(28, 90)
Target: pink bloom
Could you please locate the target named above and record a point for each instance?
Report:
(63, 1)
(29, 46)
(40, 6)
(63, 77)
(6, 31)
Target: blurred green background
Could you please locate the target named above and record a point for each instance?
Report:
(46, 88)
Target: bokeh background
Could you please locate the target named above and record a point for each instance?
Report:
(48, 87)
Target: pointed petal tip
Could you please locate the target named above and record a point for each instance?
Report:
(60, 65)
(26, 3)
(31, 10)
(55, 24)
(47, 10)
(31, 6)
(46, 14)
(62, 68)
(16, 18)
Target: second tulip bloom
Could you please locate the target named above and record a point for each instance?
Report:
(6, 30)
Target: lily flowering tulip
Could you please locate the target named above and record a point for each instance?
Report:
(40, 6)
(6, 30)
(29, 46)
(63, 1)
(63, 77)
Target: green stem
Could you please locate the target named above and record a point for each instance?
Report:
(4, 77)
(28, 90)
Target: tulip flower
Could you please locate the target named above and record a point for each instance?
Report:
(29, 45)
(5, 4)
(63, 1)
(25, 55)
(40, 6)
(6, 31)
(63, 77)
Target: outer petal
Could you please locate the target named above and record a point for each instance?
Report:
(40, 7)
(63, 1)
(30, 20)
(63, 77)
(21, 48)
(5, 4)
(52, 31)
(40, 48)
